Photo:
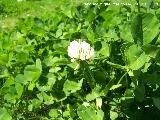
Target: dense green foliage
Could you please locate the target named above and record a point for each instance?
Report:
(37, 77)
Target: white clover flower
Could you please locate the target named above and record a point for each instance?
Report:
(80, 50)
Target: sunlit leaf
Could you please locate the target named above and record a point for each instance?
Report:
(4, 115)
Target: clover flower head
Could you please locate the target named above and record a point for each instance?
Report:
(80, 50)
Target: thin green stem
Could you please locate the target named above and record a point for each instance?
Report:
(90, 73)
(138, 5)
(116, 65)
(126, 82)
(122, 77)
(102, 69)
